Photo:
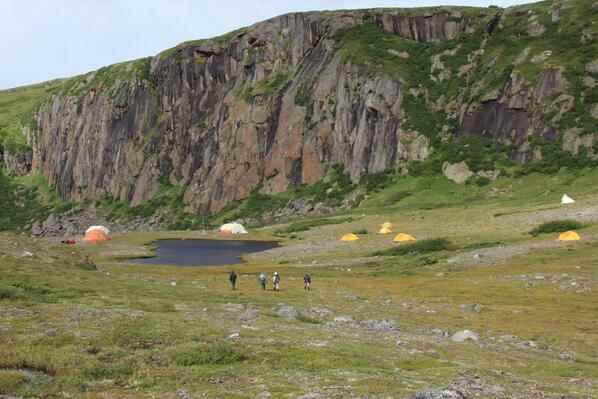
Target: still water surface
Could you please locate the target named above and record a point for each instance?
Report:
(203, 252)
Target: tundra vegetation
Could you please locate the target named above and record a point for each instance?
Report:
(84, 321)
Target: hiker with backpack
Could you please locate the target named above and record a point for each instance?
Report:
(307, 282)
(232, 277)
(276, 281)
(263, 279)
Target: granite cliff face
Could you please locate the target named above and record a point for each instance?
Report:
(278, 104)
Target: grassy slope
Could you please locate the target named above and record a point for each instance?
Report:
(16, 111)
(127, 332)
(25, 200)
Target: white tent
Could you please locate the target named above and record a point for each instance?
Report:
(232, 228)
(567, 200)
(101, 228)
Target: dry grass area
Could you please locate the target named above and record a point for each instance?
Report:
(373, 326)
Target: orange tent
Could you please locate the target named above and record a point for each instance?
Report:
(96, 234)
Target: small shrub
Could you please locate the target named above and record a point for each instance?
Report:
(135, 334)
(9, 292)
(419, 247)
(109, 371)
(376, 181)
(308, 319)
(361, 231)
(218, 354)
(10, 381)
(482, 245)
(479, 181)
(556, 226)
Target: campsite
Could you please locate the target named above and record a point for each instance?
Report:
(485, 307)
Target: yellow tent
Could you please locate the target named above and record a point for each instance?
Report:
(387, 225)
(569, 236)
(402, 237)
(349, 237)
(385, 230)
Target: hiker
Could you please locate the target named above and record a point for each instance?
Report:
(307, 282)
(232, 277)
(262, 279)
(276, 281)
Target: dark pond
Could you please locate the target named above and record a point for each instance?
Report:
(203, 252)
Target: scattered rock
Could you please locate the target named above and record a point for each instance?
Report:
(439, 394)
(567, 356)
(250, 315)
(527, 345)
(313, 395)
(507, 338)
(319, 312)
(183, 394)
(540, 58)
(286, 312)
(379, 325)
(440, 333)
(592, 67)
(343, 319)
(465, 335)
(489, 174)
(235, 335)
(51, 332)
(401, 54)
(234, 307)
(474, 307)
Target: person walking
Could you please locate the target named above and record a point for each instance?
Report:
(276, 281)
(232, 277)
(307, 282)
(263, 279)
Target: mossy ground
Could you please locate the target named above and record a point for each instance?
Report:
(126, 331)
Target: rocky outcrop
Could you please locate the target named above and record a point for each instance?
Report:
(17, 164)
(278, 104)
(211, 120)
(458, 172)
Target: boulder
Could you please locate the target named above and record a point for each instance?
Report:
(457, 172)
(465, 335)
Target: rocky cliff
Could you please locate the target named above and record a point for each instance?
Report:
(278, 104)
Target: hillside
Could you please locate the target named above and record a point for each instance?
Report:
(270, 109)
